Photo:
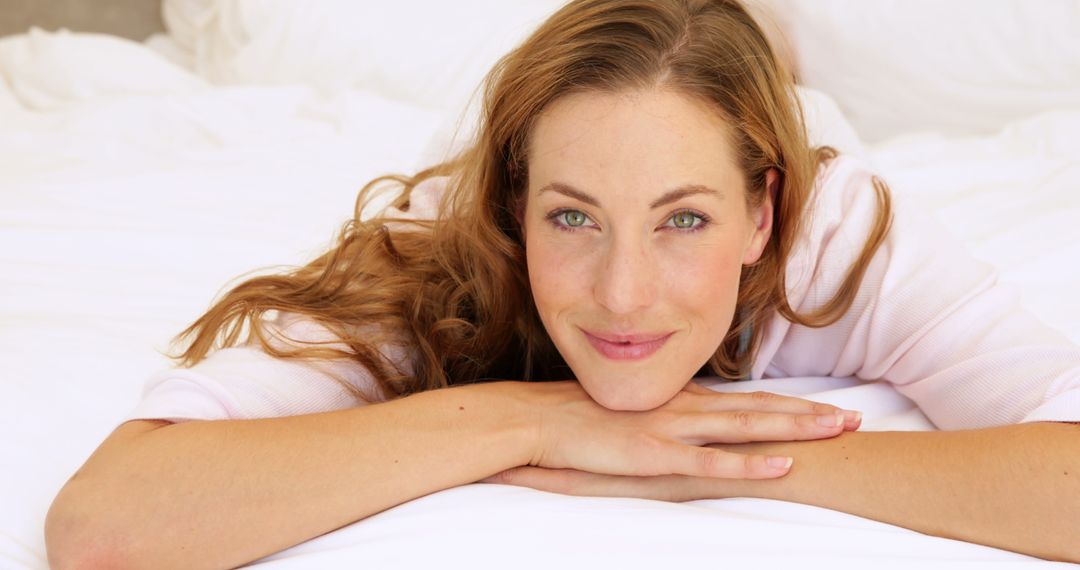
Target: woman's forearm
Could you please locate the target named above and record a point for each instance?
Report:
(1014, 487)
(223, 493)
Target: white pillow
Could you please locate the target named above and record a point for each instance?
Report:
(167, 47)
(432, 53)
(46, 70)
(960, 67)
(8, 102)
(184, 19)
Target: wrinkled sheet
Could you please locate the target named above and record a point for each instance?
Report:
(122, 217)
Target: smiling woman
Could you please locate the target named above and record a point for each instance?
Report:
(637, 284)
(640, 207)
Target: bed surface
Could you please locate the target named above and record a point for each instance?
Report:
(135, 187)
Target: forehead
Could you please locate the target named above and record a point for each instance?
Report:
(637, 141)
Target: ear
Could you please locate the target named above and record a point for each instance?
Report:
(762, 217)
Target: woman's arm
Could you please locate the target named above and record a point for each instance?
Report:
(226, 492)
(223, 493)
(1014, 487)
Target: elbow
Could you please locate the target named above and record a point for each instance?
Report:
(75, 540)
(1070, 550)
(1068, 553)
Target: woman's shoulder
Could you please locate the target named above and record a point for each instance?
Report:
(839, 215)
(838, 182)
(248, 381)
(288, 331)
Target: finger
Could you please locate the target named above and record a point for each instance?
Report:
(711, 462)
(743, 426)
(760, 400)
(770, 402)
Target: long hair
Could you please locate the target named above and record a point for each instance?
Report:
(455, 290)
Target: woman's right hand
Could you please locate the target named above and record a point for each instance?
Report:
(577, 433)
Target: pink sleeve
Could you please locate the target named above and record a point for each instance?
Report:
(245, 382)
(928, 318)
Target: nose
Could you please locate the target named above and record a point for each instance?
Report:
(627, 280)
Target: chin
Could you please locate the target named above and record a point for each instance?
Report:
(627, 397)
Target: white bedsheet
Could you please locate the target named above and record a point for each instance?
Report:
(122, 214)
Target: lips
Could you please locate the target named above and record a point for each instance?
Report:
(626, 346)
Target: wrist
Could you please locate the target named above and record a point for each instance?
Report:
(780, 488)
(518, 408)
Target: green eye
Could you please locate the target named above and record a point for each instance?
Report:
(684, 220)
(574, 218)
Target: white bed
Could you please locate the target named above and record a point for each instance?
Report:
(136, 180)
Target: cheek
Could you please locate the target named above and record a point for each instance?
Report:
(702, 283)
(558, 275)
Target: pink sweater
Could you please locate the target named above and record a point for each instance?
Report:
(928, 318)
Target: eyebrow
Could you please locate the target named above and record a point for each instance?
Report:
(669, 197)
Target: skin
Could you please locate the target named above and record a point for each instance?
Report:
(1001, 487)
(619, 265)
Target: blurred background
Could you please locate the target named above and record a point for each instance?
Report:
(131, 19)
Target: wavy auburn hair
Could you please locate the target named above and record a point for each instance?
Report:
(455, 290)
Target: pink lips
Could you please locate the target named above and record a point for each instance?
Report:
(627, 347)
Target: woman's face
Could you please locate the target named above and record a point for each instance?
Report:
(636, 229)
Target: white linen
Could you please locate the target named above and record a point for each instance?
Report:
(960, 67)
(47, 70)
(124, 213)
(426, 53)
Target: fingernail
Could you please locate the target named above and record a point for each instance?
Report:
(852, 416)
(831, 420)
(779, 462)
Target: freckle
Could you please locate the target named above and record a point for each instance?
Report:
(845, 457)
(395, 461)
(461, 407)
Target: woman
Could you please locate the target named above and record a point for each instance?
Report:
(640, 207)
